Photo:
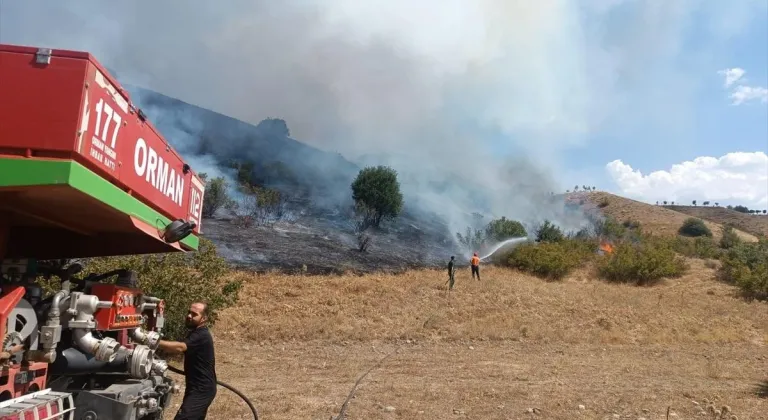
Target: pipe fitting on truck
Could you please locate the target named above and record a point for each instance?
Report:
(149, 338)
(82, 307)
(104, 350)
(50, 333)
(140, 361)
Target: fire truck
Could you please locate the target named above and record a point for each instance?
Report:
(83, 174)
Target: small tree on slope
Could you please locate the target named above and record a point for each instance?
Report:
(377, 195)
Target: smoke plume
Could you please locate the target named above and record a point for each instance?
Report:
(473, 102)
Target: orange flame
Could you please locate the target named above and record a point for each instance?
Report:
(606, 247)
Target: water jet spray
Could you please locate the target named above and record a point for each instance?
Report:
(503, 244)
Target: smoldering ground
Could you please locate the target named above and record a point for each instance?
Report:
(473, 103)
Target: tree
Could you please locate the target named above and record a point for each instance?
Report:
(216, 195)
(497, 230)
(741, 209)
(503, 229)
(665, 202)
(765, 211)
(473, 239)
(273, 127)
(694, 202)
(548, 232)
(377, 195)
(259, 205)
(706, 203)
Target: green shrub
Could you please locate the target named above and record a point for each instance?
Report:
(701, 247)
(642, 263)
(503, 229)
(611, 229)
(377, 195)
(178, 278)
(694, 227)
(746, 266)
(631, 224)
(551, 260)
(730, 239)
(548, 232)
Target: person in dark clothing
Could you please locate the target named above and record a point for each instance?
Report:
(451, 273)
(199, 364)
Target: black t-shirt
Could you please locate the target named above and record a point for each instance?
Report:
(200, 361)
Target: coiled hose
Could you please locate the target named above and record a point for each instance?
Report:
(229, 387)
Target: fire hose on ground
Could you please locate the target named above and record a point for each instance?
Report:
(229, 387)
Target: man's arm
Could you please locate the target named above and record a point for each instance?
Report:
(174, 347)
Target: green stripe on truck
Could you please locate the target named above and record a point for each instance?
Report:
(28, 172)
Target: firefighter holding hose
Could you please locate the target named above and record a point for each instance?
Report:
(474, 262)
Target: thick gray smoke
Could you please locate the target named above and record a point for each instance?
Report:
(473, 102)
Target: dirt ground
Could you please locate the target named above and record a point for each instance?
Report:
(508, 347)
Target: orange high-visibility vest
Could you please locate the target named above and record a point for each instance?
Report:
(475, 260)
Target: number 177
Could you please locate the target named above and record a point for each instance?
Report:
(103, 107)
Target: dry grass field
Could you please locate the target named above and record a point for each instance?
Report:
(756, 225)
(508, 347)
(656, 219)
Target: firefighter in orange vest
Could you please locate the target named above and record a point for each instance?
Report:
(475, 264)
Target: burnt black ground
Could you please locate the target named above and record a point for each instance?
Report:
(324, 246)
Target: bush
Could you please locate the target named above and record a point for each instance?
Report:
(730, 239)
(496, 230)
(180, 279)
(503, 229)
(631, 224)
(548, 232)
(216, 195)
(551, 260)
(642, 263)
(702, 247)
(746, 266)
(694, 227)
(609, 228)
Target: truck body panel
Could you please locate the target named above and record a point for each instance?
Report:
(67, 106)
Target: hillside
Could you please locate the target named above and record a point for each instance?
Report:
(317, 232)
(655, 219)
(501, 348)
(754, 224)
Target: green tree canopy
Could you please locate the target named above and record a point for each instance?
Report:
(216, 195)
(377, 195)
(503, 229)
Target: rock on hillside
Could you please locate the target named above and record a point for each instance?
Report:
(656, 219)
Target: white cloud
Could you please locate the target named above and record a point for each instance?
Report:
(743, 94)
(732, 75)
(736, 178)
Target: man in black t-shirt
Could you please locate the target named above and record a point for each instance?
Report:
(199, 364)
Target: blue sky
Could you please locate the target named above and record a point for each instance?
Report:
(626, 95)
